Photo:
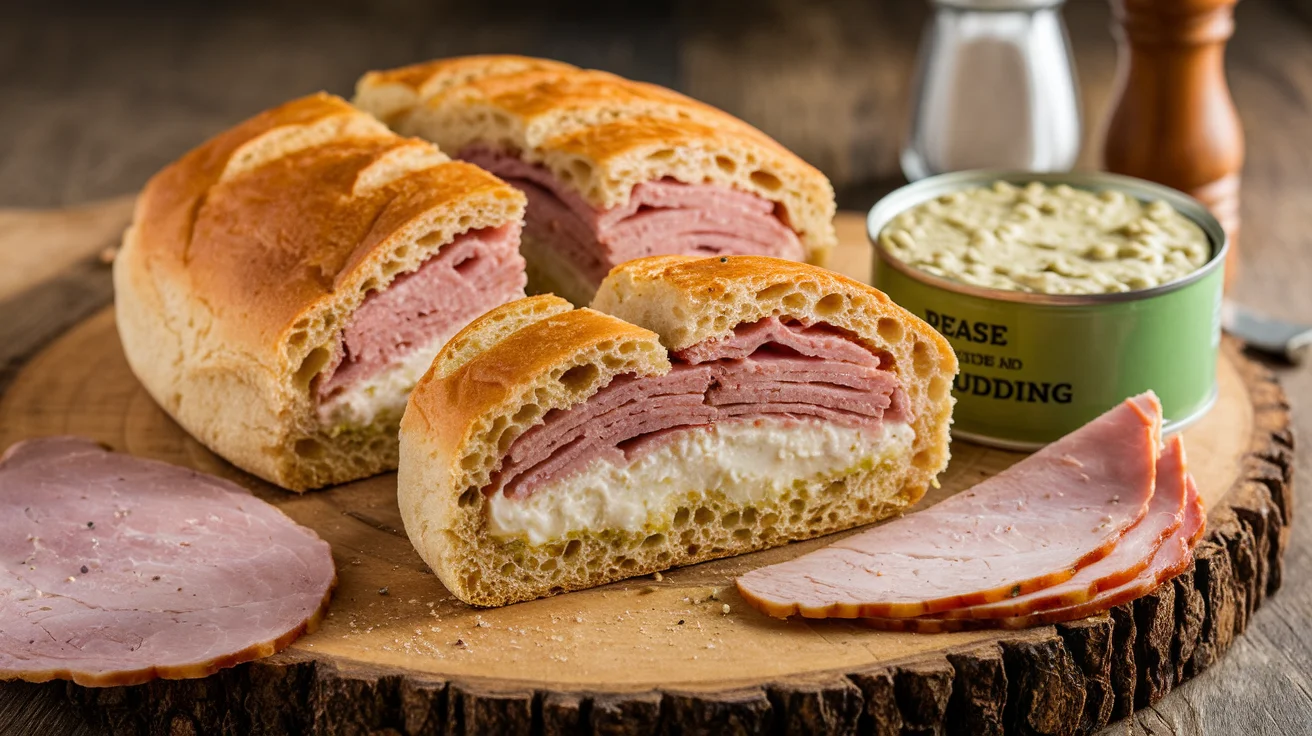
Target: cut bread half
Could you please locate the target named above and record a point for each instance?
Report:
(702, 408)
(283, 286)
(614, 169)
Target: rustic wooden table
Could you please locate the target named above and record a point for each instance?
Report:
(96, 100)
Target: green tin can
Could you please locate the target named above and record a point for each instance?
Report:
(1034, 366)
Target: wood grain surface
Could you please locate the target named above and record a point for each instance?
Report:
(96, 99)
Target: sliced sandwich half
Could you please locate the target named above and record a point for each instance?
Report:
(614, 169)
(284, 285)
(704, 407)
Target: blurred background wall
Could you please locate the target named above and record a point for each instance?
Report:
(96, 96)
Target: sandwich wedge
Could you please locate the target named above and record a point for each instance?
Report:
(283, 286)
(614, 169)
(701, 408)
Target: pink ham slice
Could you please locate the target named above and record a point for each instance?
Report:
(1171, 558)
(473, 273)
(1028, 528)
(661, 217)
(115, 570)
(1134, 552)
(773, 369)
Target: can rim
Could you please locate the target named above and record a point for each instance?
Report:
(904, 198)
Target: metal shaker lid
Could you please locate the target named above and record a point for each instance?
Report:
(997, 5)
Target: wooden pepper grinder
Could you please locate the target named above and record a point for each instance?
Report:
(1172, 120)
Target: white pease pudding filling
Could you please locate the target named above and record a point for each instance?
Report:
(380, 399)
(745, 461)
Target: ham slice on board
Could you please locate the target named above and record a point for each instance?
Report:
(1028, 528)
(1132, 554)
(115, 570)
(1171, 558)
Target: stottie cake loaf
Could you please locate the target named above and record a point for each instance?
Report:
(703, 407)
(283, 285)
(613, 169)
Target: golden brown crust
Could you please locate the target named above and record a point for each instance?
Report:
(600, 133)
(248, 255)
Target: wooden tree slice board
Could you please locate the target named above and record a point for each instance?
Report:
(397, 651)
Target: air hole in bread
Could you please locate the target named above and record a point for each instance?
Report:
(773, 292)
(795, 302)
(580, 377)
(391, 267)
(729, 520)
(548, 565)
(889, 329)
(611, 361)
(749, 516)
(765, 180)
(581, 170)
(687, 536)
(470, 461)
(922, 359)
(572, 549)
(508, 568)
(309, 448)
(921, 459)
(769, 520)
(464, 222)
(469, 497)
(311, 365)
(627, 348)
(693, 549)
(665, 154)
(297, 338)
(401, 251)
(703, 516)
(742, 535)
(681, 517)
(628, 563)
(473, 579)
(797, 505)
(726, 164)
(527, 413)
(829, 305)
(654, 540)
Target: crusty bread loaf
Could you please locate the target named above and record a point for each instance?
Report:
(599, 133)
(488, 391)
(248, 255)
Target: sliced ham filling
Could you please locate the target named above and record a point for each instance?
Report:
(661, 217)
(1031, 527)
(406, 324)
(770, 369)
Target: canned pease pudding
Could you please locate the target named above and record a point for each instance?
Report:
(1036, 365)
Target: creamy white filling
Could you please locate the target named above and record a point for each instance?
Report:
(381, 397)
(746, 461)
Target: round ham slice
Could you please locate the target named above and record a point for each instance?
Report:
(115, 570)
(1028, 528)
(1170, 559)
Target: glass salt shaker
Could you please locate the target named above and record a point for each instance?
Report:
(995, 88)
